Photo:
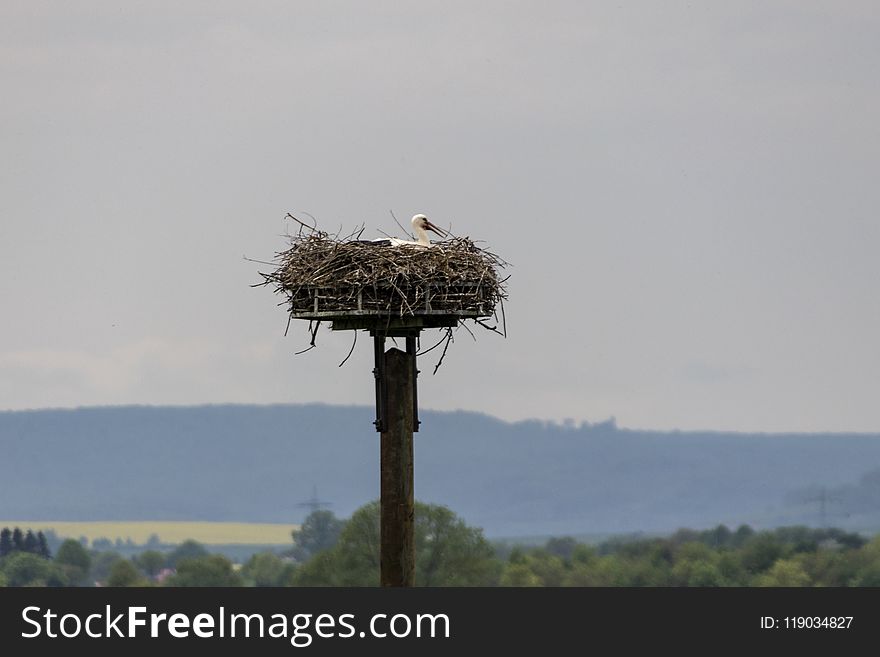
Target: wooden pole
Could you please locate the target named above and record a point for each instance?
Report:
(397, 502)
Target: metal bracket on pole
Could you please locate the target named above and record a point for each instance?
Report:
(379, 373)
(411, 350)
(381, 420)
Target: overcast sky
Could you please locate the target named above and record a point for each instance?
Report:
(688, 192)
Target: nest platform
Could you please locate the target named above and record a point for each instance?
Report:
(394, 290)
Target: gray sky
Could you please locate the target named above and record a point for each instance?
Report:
(688, 193)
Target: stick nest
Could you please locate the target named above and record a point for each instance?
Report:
(321, 275)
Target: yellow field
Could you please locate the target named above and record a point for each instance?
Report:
(209, 533)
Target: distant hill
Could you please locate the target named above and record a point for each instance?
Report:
(257, 463)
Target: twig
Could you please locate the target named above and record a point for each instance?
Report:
(261, 262)
(315, 227)
(315, 331)
(405, 231)
(351, 351)
(494, 329)
(304, 225)
(466, 328)
(437, 344)
(449, 339)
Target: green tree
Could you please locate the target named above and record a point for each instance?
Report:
(319, 531)
(550, 568)
(103, 544)
(583, 570)
(846, 539)
(150, 562)
(760, 552)
(102, 564)
(561, 547)
(448, 552)
(320, 570)
(267, 569)
(867, 576)
(209, 570)
(731, 569)
(584, 554)
(607, 570)
(43, 546)
(519, 574)
(123, 573)
(26, 569)
(692, 562)
(74, 561)
(594, 573)
(644, 572)
(696, 564)
(742, 534)
(718, 537)
(865, 567)
(705, 573)
(537, 567)
(5, 542)
(186, 550)
(784, 572)
(828, 567)
(31, 544)
(17, 540)
(356, 555)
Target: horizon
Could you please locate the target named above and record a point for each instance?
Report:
(565, 423)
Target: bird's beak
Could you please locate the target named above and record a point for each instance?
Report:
(433, 228)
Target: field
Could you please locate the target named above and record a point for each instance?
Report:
(209, 533)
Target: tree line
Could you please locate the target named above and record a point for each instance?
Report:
(329, 551)
(15, 540)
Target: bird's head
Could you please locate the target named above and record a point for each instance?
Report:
(421, 221)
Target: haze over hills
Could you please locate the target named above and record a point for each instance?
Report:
(256, 463)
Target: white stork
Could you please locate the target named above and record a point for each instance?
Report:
(420, 226)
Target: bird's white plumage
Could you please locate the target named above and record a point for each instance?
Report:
(420, 226)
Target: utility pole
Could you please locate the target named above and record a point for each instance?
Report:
(823, 498)
(314, 503)
(397, 560)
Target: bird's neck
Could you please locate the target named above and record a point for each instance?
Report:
(422, 236)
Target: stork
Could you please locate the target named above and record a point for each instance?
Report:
(420, 226)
